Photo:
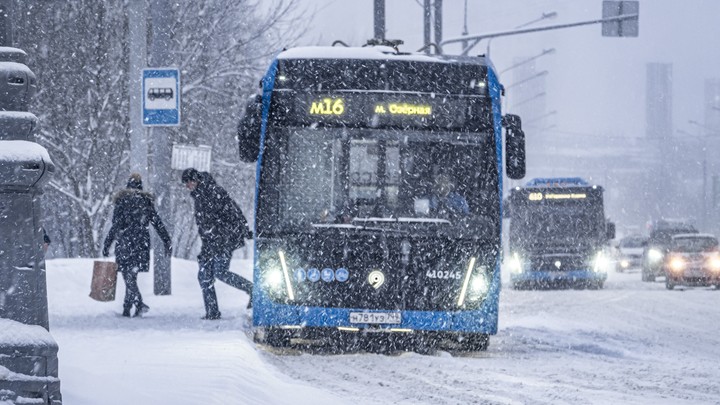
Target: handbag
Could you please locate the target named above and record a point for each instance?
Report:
(104, 281)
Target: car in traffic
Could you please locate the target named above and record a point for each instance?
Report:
(657, 246)
(692, 260)
(629, 252)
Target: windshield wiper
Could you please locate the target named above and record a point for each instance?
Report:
(403, 220)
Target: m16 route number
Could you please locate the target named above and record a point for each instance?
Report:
(328, 106)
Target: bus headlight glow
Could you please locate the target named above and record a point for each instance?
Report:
(276, 275)
(654, 255)
(515, 264)
(479, 286)
(601, 263)
(274, 278)
(677, 264)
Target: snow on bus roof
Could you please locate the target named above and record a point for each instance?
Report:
(367, 52)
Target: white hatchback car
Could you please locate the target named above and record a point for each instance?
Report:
(629, 252)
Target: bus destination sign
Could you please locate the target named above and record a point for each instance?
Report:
(377, 110)
(336, 106)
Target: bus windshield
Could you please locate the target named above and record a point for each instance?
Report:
(335, 177)
(566, 222)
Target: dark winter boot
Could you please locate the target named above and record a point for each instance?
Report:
(141, 309)
(126, 312)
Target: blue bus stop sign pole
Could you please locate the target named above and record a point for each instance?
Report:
(161, 97)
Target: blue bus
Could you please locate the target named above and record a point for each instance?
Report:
(378, 196)
(558, 234)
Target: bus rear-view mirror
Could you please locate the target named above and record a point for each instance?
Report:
(514, 147)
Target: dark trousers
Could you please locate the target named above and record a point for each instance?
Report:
(132, 292)
(216, 267)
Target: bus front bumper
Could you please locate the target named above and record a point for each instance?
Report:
(483, 320)
(552, 277)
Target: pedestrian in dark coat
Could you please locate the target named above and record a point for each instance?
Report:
(133, 214)
(222, 228)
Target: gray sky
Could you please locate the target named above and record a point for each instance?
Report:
(596, 84)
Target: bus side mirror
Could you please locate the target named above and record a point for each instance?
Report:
(514, 147)
(610, 231)
(249, 130)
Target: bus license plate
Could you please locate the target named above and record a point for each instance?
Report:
(375, 317)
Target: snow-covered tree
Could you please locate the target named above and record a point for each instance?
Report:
(79, 52)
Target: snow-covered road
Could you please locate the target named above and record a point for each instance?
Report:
(632, 342)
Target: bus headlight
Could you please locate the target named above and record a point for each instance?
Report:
(274, 278)
(276, 275)
(601, 263)
(677, 264)
(515, 264)
(654, 255)
(479, 285)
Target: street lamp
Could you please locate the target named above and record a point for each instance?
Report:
(683, 132)
(528, 60)
(708, 130)
(538, 118)
(544, 16)
(539, 74)
(542, 94)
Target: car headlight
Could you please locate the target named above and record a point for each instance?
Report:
(713, 262)
(601, 263)
(677, 264)
(515, 264)
(654, 255)
(624, 264)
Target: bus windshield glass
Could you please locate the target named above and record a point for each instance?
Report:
(335, 177)
(565, 222)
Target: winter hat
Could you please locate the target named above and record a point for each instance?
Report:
(190, 175)
(135, 182)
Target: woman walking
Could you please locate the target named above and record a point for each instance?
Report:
(134, 212)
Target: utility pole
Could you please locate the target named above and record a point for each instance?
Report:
(161, 12)
(430, 9)
(137, 27)
(438, 22)
(427, 14)
(379, 13)
(6, 34)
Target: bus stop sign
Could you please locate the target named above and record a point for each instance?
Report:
(161, 97)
